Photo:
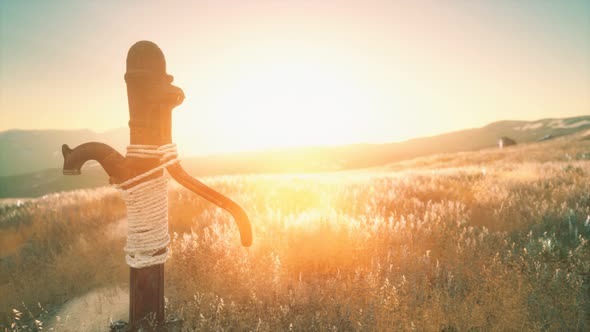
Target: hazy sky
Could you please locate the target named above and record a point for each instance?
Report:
(282, 73)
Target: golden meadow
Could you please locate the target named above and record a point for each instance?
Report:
(474, 241)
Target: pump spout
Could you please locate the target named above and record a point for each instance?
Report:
(111, 160)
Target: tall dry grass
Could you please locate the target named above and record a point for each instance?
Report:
(491, 240)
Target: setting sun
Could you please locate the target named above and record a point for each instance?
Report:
(291, 104)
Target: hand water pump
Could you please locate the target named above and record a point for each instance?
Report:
(139, 177)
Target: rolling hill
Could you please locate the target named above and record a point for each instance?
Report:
(369, 155)
(30, 160)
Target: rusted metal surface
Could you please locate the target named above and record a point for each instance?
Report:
(151, 98)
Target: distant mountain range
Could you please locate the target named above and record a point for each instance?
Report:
(26, 151)
(30, 161)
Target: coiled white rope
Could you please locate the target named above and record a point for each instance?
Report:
(147, 208)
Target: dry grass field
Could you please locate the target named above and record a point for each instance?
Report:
(476, 241)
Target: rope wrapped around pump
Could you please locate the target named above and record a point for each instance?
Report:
(147, 208)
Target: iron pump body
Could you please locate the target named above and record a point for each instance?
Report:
(151, 98)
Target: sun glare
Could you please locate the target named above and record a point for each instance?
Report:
(297, 104)
(290, 103)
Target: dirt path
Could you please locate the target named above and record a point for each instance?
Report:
(95, 310)
(92, 312)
